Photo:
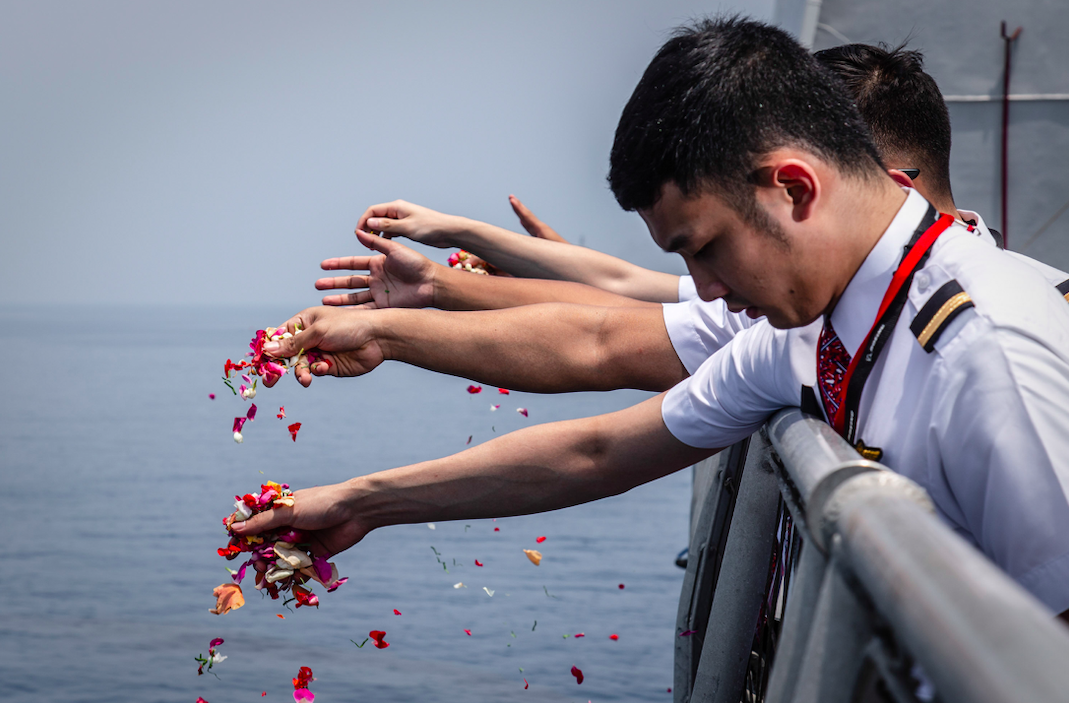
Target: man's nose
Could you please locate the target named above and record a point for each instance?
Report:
(709, 287)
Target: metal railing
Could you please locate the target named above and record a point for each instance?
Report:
(815, 575)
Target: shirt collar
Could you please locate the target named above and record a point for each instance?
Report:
(856, 310)
(981, 226)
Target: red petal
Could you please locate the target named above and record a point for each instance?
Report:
(525, 684)
(503, 391)
(478, 563)
(578, 674)
(621, 587)
(468, 632)
(614, 637)
(540, 540)
(475, 389)
(396, 611)
(580, 634)
(294, 428)
(497, 529)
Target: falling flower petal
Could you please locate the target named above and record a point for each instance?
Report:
(377, 636)
(280, 616)
(216, 642)
(469, 439)
(228, 597)
(323, 569)
(540, 540)
(578, 674)
(396, 611)
(239, 423)
(304, 677)
(494, 407)
(459, 584)
(201, 700)
(580, 634)
(621, 587)
(475, 389)
(503, 391)
(488, 591)
(525, 684)
(294, 428)
(252, 412)
(245, 377)
(687, 633)
(614, 637)
(303, 694)
(430, 525)
(281, 413)
(497, 529)
(534, 556)
(522, 411)
(467, 632)
(478, 563)
(211, 396)
(238, 438)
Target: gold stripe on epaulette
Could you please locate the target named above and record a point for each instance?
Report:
(940, 317)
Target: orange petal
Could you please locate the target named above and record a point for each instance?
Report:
(228, 597)
(534, 556)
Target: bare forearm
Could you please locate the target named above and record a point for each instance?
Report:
(531, 257)
(459, 290)
(548, 348)
(533, 470)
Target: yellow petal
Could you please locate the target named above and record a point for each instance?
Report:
(534, 556)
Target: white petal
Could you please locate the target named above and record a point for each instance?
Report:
(459, 585)
(488, 591)
(238, 438)
(430, 525)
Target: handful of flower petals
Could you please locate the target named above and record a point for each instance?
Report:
(282, 558)
(262, 366)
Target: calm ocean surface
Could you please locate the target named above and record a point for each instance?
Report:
(117, 470)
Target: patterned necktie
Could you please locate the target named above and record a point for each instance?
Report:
(832, 362)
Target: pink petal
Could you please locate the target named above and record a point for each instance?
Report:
(522, 411)
(467, 632)
(334, 586)
(322, 569)
(303, 694)
(216, 642)
(245, 378)
(239, 422)
(211, 396)
(252, 412)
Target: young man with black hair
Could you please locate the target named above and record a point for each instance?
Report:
(742, 155)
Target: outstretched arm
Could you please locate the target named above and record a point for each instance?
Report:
(548, 348)
(529, 471)
(403, 278)
(534, 226)
(520, 255)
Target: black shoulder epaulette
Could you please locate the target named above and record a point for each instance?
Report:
(1063, 288)
(945, 304)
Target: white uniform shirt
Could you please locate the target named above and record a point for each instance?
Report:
(981, 422)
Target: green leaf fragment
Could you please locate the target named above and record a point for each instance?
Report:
(361, 645)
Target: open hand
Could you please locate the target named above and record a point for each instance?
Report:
(420, 224)
(323, 512)
(401, 278)
(333, 342)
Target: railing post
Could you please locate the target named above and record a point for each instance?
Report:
(801, 606)
(740, 587)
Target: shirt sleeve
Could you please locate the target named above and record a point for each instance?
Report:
(1002, 431)
(687, 289)
(698, 329)
(759, 371)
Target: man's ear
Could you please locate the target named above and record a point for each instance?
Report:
(798, 185)
(900, 178)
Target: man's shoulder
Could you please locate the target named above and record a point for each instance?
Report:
(965, 276)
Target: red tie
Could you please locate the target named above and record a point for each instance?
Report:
(832, 362)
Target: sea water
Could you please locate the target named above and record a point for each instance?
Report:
(117, 470)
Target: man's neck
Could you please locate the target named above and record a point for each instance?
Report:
(862, 226)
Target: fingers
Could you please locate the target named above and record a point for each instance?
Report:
(307, 339)
(375, 243)
(534, 226)
(361, 298)
(346, 263)
(268, 520)
(396, 209)
(342, 282)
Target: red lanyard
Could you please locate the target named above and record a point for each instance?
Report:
(845, 420)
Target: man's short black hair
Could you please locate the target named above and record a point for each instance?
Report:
(901, 103)
(717, 96)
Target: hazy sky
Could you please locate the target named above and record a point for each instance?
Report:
(204, 152)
